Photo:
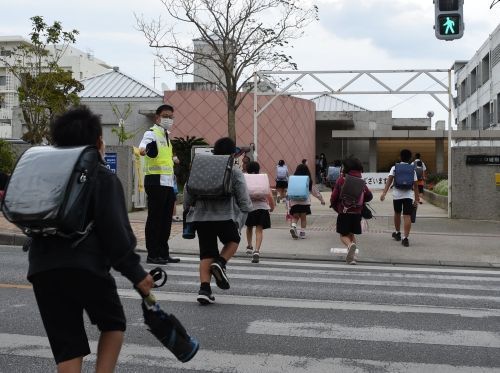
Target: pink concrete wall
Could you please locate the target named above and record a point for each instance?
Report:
(286, 129)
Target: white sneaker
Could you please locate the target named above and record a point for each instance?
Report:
(293, 232)
(302, 234)
(249, 250)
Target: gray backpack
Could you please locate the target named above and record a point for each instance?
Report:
(210, 176)
(50, 191)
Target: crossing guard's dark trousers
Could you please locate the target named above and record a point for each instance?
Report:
(161, 201)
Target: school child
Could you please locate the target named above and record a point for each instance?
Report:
(259, 217)
(68, 281)
(218, 219)
(405, 195)
(299, 209)
(421, 176)
(349, 203)
(281, 180)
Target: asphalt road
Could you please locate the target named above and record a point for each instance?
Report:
(289, 316)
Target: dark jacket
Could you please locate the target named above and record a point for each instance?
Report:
(111, 243)
(335, 201)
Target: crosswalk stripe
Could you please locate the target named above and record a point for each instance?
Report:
(320, 304)
(212, 360)
(361, 267)
(375, 292)
(309, 272)
(469, 338)
(337, 281)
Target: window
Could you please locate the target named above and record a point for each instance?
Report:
(485, 116)
(485, 68)
(473, 121)
(5, 53)
(473, 81)
(463, 91)
(3, 80)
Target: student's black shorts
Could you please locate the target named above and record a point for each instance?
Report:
(209, 231)
(259, 217)
(405, 205)
(62, 296)
(348, 223)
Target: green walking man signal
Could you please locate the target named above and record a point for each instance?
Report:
(449, 24)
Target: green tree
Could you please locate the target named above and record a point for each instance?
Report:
(120, 131)
(7, 158)
(239, 37)
(45, 89)
(182, 149)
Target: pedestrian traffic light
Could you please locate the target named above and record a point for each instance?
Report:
(449, 19)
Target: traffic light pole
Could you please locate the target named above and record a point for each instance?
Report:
(450, 105)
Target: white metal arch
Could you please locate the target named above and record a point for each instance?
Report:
(344, 89)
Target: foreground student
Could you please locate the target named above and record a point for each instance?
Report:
(218, 219)
(349, 216)
(259, 217)
(67, 281)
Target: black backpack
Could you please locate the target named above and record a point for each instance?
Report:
(50, 191)
(352, 193)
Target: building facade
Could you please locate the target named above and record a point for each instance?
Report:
(478, 87)
(81, 64)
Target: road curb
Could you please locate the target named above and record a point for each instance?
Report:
(15, 239)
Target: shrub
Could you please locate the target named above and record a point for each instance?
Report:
(441, 188)
(7, 157)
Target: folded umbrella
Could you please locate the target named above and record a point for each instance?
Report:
(166, 327)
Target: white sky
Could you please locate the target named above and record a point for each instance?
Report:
(351, 34)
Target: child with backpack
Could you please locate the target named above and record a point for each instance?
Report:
(69, 280)
(217, 219)
(405, 195)
(349, 195)
(300, 203)
(263, 204)
(420, 171)
(281, 180)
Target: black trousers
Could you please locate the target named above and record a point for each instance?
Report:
(161, 200)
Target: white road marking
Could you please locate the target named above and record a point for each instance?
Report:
(396, 268)
(319, 304)
(227, 361)
(256, 269)
(469, 338)
(431, 284)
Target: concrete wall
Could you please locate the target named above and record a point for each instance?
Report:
(124, 167)
(474, 193)
(286, 129)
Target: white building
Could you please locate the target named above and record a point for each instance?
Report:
(478, 87)
(82, 65)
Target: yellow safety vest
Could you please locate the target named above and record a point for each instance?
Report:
(163, 163)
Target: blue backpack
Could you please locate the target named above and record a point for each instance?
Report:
(404, 176)
(298, 187)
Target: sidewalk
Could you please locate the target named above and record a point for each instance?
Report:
(434, 239)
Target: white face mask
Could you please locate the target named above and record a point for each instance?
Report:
(166, 123)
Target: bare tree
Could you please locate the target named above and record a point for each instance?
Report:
(240, 37)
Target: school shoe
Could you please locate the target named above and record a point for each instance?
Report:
(159, 261)
(249, 250)
(219, 272)
(293, 232)
(255, 257)
(396, 236)
(169, 259)
(205, 297)
(405, 242)
(302, 234)
(351, 250)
